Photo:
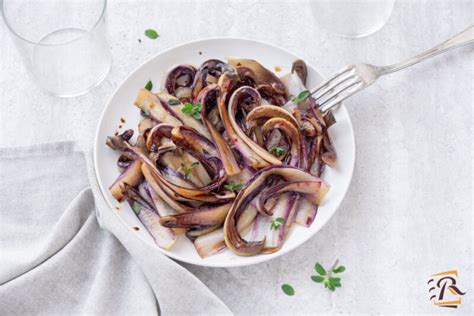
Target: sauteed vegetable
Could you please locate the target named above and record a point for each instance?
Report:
(228, 155)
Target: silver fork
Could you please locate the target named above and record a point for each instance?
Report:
(353, 78)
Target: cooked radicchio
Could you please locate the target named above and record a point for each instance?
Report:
(224, 156)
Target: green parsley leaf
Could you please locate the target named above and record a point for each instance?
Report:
(320, 269)
(328, 285)
(136, 207)
(233, 186)
(279, 151)
(303, 95)
(336, 282)
(149, 85)
(330, 282)
(276, 223)
(317, 278)
(339, 269)
(197, 111)
(187, 108)
(173, 102)
(192, 110)
(288, 289)
(188, 168)
(151, 33)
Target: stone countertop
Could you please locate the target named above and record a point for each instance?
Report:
(408, 212)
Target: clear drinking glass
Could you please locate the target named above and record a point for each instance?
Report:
(63, 42)
(352, 18)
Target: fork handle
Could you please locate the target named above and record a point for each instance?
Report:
(463, 38)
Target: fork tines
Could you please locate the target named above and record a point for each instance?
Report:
(342, 85)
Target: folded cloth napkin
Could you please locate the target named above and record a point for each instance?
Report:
(55, 259)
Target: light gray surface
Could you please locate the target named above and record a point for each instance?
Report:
(408, 212)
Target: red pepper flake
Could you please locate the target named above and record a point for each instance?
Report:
(277, 68)
(122, 120)
(120, 126)
(116, 133)
(200, 53)
(117, 208)
(136, 228)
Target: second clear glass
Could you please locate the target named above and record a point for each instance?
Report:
(352, 18)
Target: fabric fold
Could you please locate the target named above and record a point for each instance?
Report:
(55, 258)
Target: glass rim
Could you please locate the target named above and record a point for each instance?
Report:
(10, 28)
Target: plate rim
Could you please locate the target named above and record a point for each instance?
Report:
(229, 264)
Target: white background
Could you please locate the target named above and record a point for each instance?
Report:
(408, 212)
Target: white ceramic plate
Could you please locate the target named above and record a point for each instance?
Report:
(121, 106)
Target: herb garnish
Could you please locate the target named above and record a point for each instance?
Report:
(278, 150)
(192, 110)
(303, 95)
(288, 289)
(151, 33)
(188, 168)
(233, 186)
(136, 207)
(149, 85)
(173, 102)
(330, 282)
(276, 223)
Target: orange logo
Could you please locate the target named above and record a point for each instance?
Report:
(443, 289)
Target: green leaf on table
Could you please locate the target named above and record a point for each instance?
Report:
(330, 282)
(336, 282)
(288, 289)
(317, 278)
(328, 285)
(320, 269)
(339, 269)
(151, 33)
(149, 85)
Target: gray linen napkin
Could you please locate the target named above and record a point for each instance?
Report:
(55, 259)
